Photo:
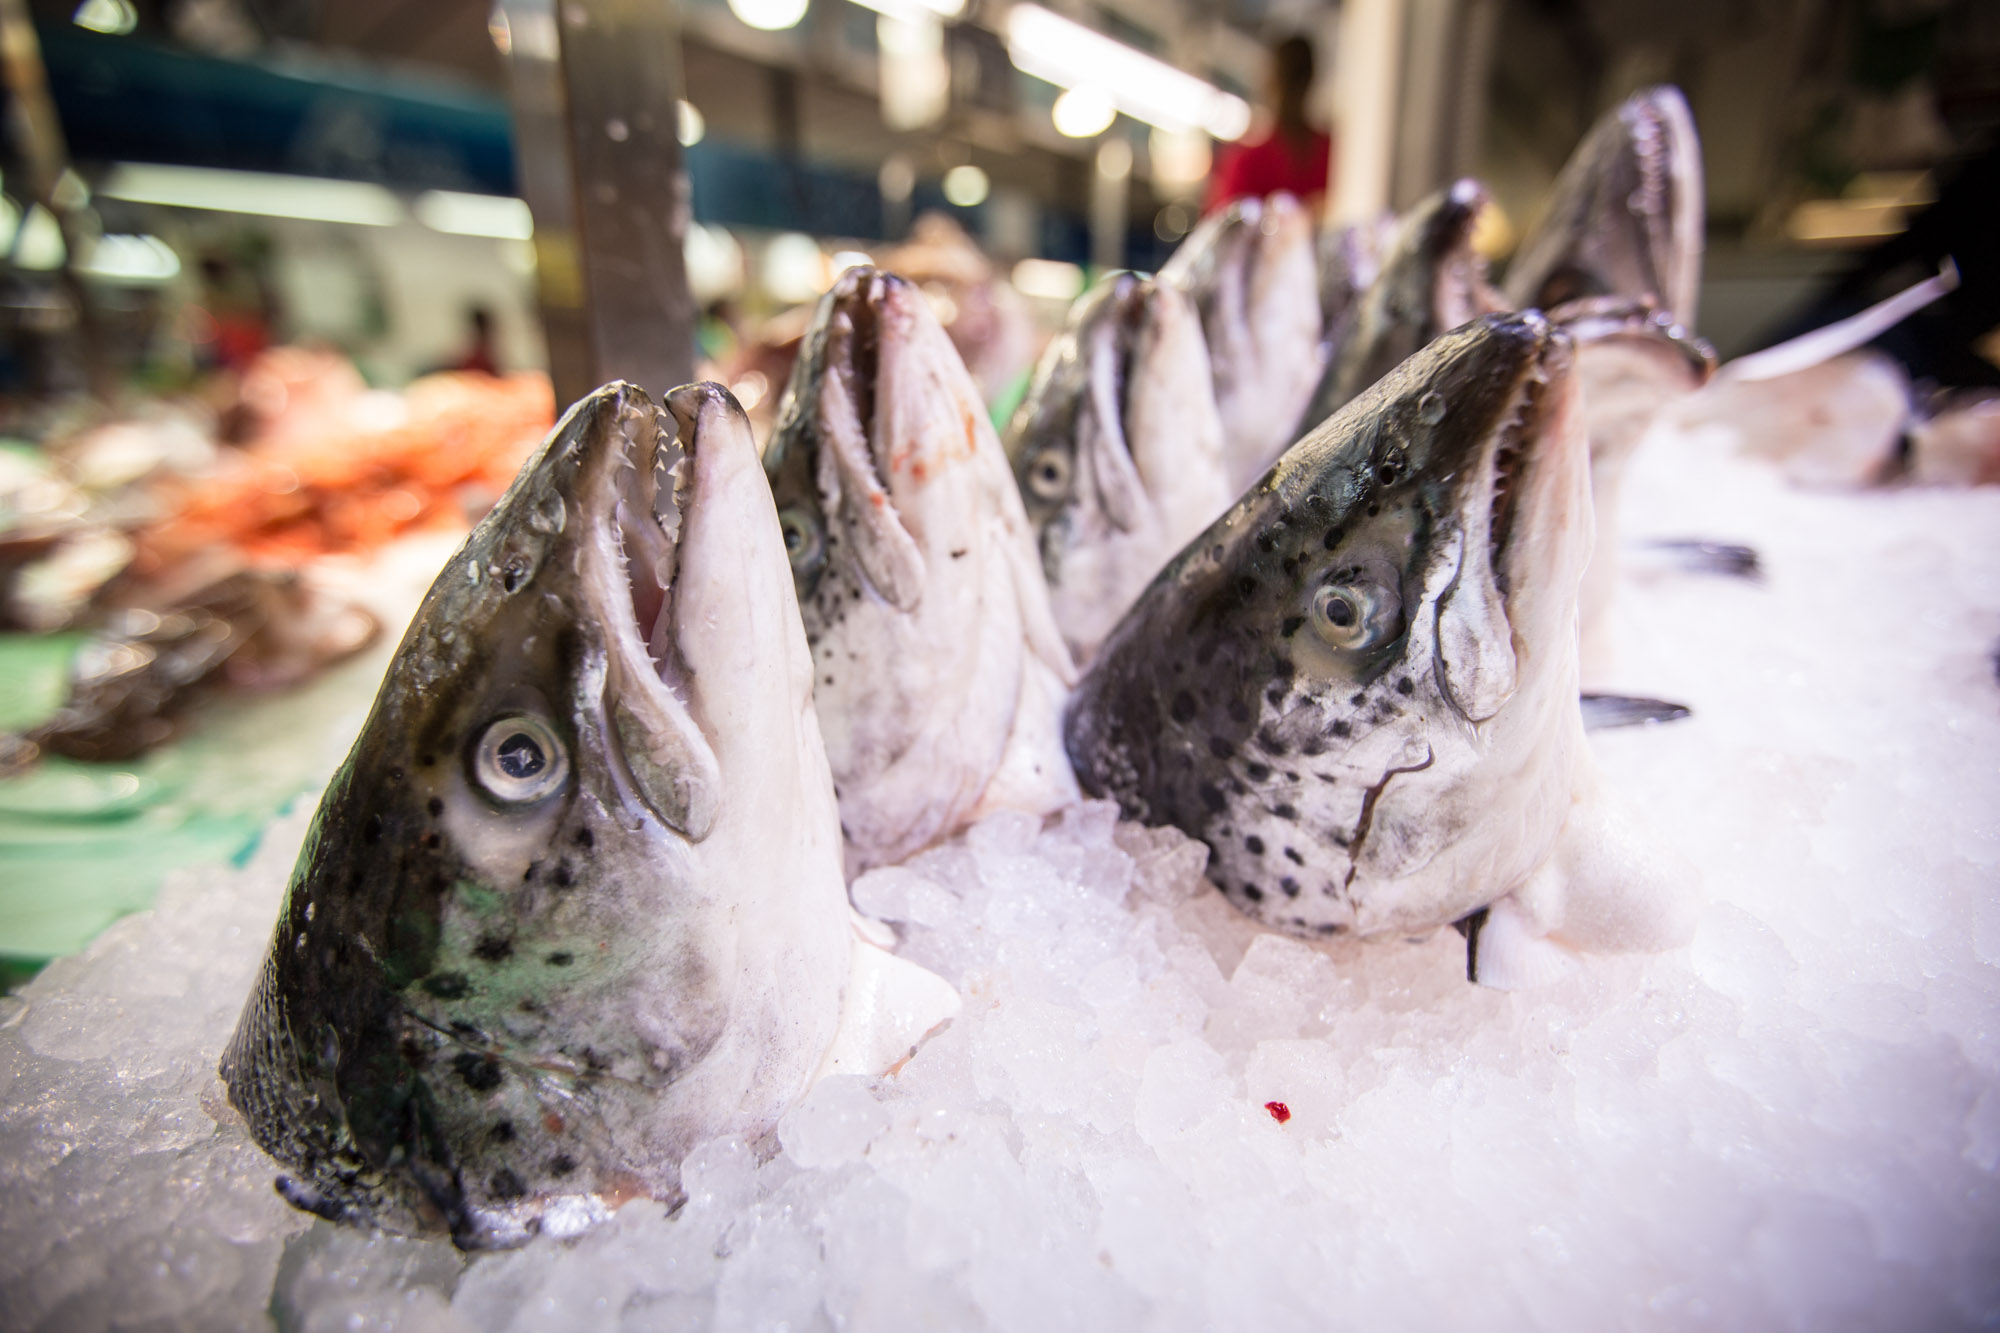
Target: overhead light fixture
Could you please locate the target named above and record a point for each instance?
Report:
(311, 198)
(116, 17)
(1069, 55)
(691, 124)
(966, 186)
(902, 9)
(769, 15)
(1083, 112)
(497, 215)
(132, 260)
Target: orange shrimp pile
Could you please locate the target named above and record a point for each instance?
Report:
(291, 496)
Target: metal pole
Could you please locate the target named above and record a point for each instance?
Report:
(596, 93)
(38, 136)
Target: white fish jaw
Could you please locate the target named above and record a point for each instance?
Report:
(930, 610)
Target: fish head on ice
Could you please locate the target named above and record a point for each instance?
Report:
(541, 938)
(1118, 449)
(1252, 271)
(916, 569)
(1625, 217)
(1359, 686)
(1431, 280)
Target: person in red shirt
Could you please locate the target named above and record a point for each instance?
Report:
(1291, 155)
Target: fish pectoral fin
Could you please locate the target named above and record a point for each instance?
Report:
(1505, 949)
(889, 1007)
(1606, 888)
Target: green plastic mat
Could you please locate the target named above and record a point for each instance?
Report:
(83, 844)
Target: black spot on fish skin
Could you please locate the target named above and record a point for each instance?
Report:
(586, 839)
(1357, 700)
(1275, 695)
(1183, 709)
(1285, 811)
(1405, 686)
(448, 985)
(433, 840)
(563, 878)
(1220, 747)
(1341, 729)
(1312, 747)
(528, 875)
(426, 760)
(1253, 893)
(434, 806)
(1292, 855)
(1257, 772)
(1254, 845)
(1291, 626)
(503, 1131)
(1332, 538)
(1270, 742)
(395, 773)
(1246, 586)
(1329, 927)
(1290, 886)
(1211, 796)
(479, 1072)
(560, 958)
(371, 829)
(562, 1164)
(493, 949)
(506, 1185)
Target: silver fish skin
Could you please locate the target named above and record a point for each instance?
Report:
(1350, 259)
(939, 666)
(1430, 281)
(1359, 688)
(1118, 450)
(1625, 216)
(1251, 271)
(574, 902)
(1632, 360)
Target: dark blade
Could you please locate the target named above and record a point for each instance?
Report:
(1602, 712)
(1694, 555)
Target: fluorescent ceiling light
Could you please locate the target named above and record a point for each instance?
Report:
(1067, 54)
(116, 17)
(137, 260)
(496, 215)
(1083, 112)
(769, 15)
(308, 197)
(903, 9)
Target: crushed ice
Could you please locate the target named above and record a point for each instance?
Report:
(1794, 1123)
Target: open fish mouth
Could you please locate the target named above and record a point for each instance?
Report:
(1522, 473)
(635, 509)
(633, 506)
(853, 336)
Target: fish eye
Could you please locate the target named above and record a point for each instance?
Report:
(1356, 616)
(519, 760)
(803, 544)
(1048, 474)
